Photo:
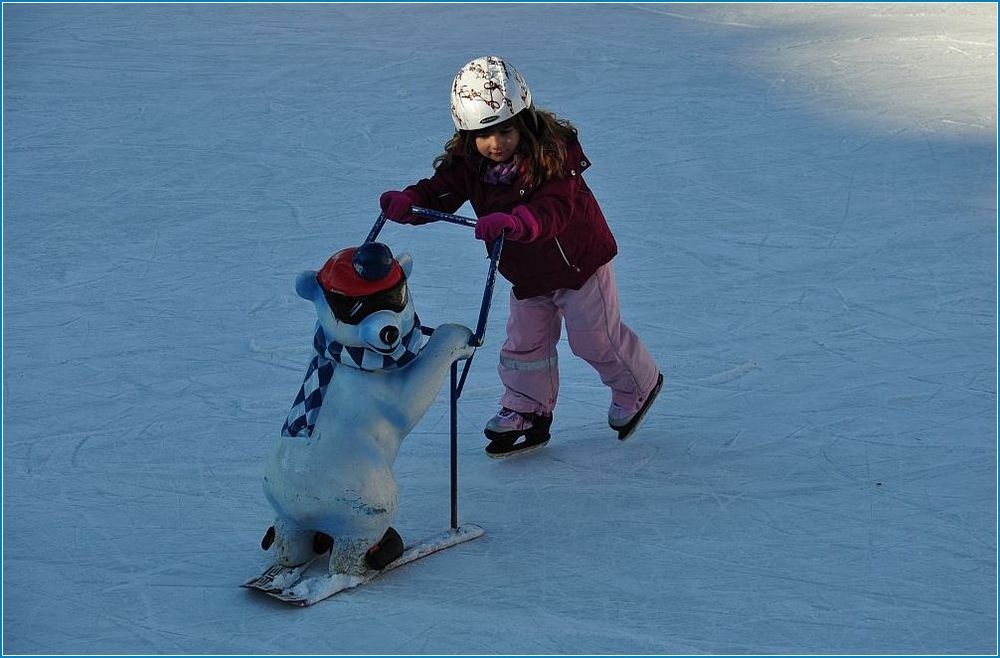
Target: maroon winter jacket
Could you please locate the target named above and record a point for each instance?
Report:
(574, 241)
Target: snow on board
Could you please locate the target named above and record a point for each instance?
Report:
(307, 584)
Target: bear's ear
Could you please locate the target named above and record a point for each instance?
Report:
(406, 262)
(306, 285)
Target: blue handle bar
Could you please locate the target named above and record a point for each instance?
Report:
(491, 276)
(439, 216)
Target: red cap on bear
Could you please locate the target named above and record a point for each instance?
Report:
(347, 275)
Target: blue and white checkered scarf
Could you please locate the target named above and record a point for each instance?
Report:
(302, 416)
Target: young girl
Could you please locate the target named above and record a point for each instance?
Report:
(521, 168)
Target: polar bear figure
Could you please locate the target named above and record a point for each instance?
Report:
(372, 377)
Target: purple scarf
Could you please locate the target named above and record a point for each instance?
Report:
(502, 172)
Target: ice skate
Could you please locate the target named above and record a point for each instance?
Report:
(626, 424)
(514, 433)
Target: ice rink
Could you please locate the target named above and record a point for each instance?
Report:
(805, 202)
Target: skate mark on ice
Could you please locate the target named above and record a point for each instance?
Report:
(733, 373)
(697, 19)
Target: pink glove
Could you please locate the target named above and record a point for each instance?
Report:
(398, 206)
(520, 224)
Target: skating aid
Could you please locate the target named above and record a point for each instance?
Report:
(313, 581)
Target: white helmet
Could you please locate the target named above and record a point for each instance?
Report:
(487, 91)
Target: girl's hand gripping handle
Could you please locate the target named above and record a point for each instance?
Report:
(519, 225)
(398, 206)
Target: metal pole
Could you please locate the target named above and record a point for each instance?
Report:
(379, 223)
(491, 278)
(484, 309)
(454, 445)
(439, 216)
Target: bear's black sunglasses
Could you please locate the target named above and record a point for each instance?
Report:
(352, 310)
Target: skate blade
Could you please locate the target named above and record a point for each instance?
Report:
(507, 438)
(516, 452)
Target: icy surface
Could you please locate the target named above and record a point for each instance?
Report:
(805, 203)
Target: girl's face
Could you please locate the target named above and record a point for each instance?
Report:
(499, 143)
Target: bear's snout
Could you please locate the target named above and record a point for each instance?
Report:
(382, 331)
(389, 335)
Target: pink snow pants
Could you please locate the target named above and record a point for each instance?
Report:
(529, 367)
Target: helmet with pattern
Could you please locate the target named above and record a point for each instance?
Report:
(487, 91)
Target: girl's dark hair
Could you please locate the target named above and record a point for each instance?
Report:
(543, 144)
